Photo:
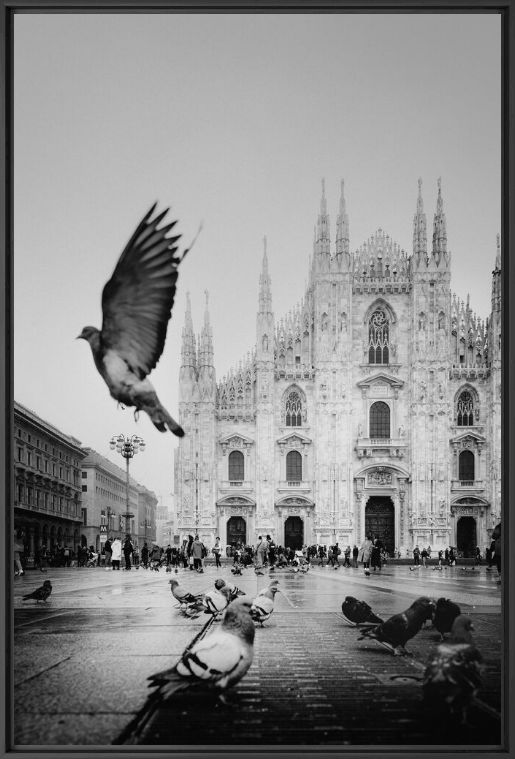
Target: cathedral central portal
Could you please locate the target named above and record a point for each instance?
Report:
(380, 520)
(294, 533)
(236, 531)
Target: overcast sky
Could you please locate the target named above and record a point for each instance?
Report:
(232, 120)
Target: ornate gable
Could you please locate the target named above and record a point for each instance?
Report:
(235, 441)
(381, 385)
(293, 440)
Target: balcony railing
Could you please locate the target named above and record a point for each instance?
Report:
(366, 446)
(467, 484)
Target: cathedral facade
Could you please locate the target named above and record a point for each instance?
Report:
(373, 407)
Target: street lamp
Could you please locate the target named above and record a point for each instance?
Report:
(127, 447)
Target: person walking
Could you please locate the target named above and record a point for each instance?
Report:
(321, 556)
(260, 555)
(346, 555)
(355, 554)
(197, 551)
(144, 555)
(424, 557)
(496, 537)
(478, 556)
(116, 553)
(168, 552)
(217, 552)
(375, 554)
(108, 553)
(364, 554)
(19, 549)
(128, 550)
(416, 556)
(189, 552)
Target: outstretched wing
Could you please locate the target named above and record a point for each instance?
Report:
(137, 301)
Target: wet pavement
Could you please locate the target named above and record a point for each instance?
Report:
(82, 660)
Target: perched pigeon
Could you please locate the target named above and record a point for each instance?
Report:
(453, 674)
(232, 589)
(272, 584)
(357, 612)
(445, 613)
(41, 593)
(187, 601)
(217, 600)
(137, 304)
(396, 631)
(263, 605)
(220, 659)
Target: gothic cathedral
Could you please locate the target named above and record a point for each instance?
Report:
(374, 407)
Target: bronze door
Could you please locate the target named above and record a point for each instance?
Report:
(380, 521)
(236, 531)
(293, 533)
(466, 537)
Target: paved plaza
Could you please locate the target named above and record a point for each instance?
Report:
(82, 660)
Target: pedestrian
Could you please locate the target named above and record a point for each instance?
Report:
(440, 557)
(197, 552)
(321, 556)
(452, 557)
(478, 556)
(108, 554)
(67, 556)
(446, 555)
(272, 552)
(128, 550)
(155, 557)
(116, 553)
(424, 557)
(355, 554)
(189, 553)
(19, 549)
(260, 555)
(217, 552)
(144, 555)
(364, 554)
(39, 559)
(416, 556)
(375, 554)
(346, 561)
(168, 553)
(336, 551)
(496, 537)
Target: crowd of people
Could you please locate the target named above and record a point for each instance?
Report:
(372, 555)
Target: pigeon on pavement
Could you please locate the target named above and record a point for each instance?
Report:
(217, 600)
(41, 593)
(357, 612)
(187, 601)
(453, 674)
(232, 589)
(397, 630)
(263, 605)
(137, 304)
(445, 613)
(272, 584)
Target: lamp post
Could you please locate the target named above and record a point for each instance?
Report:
(127, 447)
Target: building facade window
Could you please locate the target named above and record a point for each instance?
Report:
(378, 338)
(294, 466)
(465, 410)
(84, 517)
(293, 409)
(379, 420)
(466, 467)
(236, 466)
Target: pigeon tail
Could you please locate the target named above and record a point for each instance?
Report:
(146, 400)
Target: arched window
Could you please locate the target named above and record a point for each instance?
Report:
(236, 466)
(294, 466)
(378, 338)
(293, 409)
(379, 420)
(465, 410)
(466, 467)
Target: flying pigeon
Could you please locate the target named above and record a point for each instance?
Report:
(357, 612)
(263, 605)
(41, 593)
(445, 613)
(453, 674)
(396, 631)
(136, 305)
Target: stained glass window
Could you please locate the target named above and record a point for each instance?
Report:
(465, 410)
(378, 338)
(379, 420)
(293, 410)
(294, 466)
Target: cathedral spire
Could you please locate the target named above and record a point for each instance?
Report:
(439, 229)
(265, 291)
(322, 236)
(205, 357)
(420, 230)
(188, 349)
(498, 255)
(342, 227)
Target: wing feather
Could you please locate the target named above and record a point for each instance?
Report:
(137, 301)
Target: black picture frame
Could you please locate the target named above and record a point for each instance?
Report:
(506, 9)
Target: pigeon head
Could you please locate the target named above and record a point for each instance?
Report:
(47, 584)
(91, 334)
(173, 583)
(424, 604)
(237, 618)
(219, 583)
(461, 627)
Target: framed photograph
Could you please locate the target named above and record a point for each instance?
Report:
(266, 509)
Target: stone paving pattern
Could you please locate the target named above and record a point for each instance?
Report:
(82, 661)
